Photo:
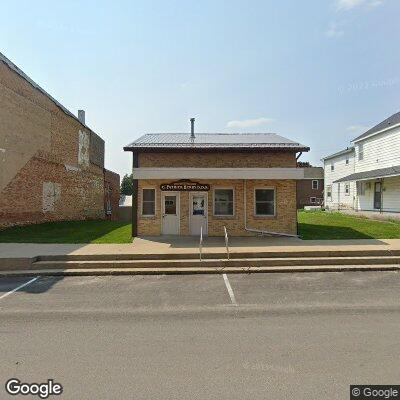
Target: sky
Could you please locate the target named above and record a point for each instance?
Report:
(319, 72)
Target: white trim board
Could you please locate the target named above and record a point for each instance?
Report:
(218, 173)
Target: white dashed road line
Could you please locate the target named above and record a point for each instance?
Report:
(230, 291)
(19, 287)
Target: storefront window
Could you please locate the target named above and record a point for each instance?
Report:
(223, 202)
(265, 202)
(149, 202)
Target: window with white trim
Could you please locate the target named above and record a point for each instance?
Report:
(223, 202)
(347, 160)
(314, 184)
(329, 192)
(264, 202)
(313, 200)
(148, 202)
(347, 189)
(332, 167)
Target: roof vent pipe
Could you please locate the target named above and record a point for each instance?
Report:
(81, 116)
(192, 128)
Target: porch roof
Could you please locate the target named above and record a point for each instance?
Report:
(373, 174)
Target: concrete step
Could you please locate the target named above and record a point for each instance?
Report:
(194, 255)
(196, 270)
(217, 263)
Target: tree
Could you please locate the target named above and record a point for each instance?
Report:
(127, 185)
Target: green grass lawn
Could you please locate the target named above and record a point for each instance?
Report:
(69, 232)
(334, 225)
(312, 225)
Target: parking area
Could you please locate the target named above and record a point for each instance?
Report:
(196, 292)
(280, 336)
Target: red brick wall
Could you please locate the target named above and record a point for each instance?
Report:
(305, 192)
(41, 178)
(111, 195)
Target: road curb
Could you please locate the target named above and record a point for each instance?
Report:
(198, 270)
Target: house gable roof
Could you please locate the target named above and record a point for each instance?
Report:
(340, 153)
(387, 123)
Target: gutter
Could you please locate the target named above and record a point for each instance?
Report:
(262, 232)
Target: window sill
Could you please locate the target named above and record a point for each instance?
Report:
(148, 216)
(224, 217)
(264, 216)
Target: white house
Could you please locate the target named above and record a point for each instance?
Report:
(373, 173)
(339, 195)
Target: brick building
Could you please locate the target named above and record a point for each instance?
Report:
(310, 190)
(245, 182)
(51, 162)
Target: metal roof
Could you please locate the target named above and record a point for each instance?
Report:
(214, 140)
(340, 153)
(22, 74)
(376, 173)
(387, 123)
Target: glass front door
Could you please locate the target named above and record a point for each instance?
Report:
(198, 213)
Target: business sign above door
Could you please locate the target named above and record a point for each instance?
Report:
(185, 186)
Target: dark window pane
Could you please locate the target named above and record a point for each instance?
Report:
(224, 208)
(148, 208)
(264, 195)
(170, 205)
(223, 202)
(149, 194)
(265, 208)
(223, 195)
(198, 205)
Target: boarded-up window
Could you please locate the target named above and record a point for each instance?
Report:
(51, 194)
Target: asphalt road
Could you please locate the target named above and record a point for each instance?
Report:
(262, 336)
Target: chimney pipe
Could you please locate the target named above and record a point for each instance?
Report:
(192, 128)
(81, 116)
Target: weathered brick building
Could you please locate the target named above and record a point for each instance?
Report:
(51, 162)
(184, 182)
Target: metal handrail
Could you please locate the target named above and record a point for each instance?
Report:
(226, 241)
(201, 242)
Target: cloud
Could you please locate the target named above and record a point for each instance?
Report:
(345, 5)
(334, 30)
(357, 128)
(249, 123)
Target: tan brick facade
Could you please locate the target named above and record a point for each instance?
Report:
(260, 159)
(285, 220)
(48, 168)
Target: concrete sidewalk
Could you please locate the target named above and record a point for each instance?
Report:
(190, 245)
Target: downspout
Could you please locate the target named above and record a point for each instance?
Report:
(381, 210)
(246, 228)
(135, 205)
